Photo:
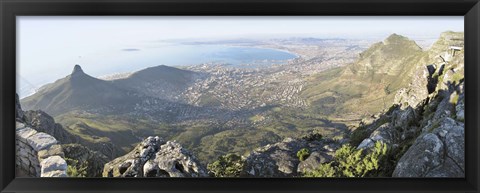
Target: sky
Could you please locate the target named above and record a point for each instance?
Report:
(49, 46)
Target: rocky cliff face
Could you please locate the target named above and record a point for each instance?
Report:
(154, 157)
(425, 126)
(439, 150)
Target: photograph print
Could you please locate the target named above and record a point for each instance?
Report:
(240, 96)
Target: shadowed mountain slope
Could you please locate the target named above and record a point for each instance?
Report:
(78, 91)
(162, 82)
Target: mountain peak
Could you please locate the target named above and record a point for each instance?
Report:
(395, 38)
(396, 41)
(77, 70)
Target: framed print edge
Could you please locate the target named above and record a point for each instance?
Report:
(9, 9)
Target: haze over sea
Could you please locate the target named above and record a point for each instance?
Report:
(133, 59)
(185, 55)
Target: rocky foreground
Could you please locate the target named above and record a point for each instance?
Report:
(45, 149)
(154, 157)
(38, 153)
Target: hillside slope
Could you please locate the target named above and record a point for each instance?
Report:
(369, 84)
(78, 91)
(162, 82)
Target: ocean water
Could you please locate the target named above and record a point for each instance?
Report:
(186, 55)
(124, 60)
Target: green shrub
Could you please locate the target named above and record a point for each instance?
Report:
(351, 162)
(229, 165)
(76, 169)
(303, 154)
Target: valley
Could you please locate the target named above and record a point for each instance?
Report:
(211, 108)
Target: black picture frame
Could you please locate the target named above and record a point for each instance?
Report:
(9, 9)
